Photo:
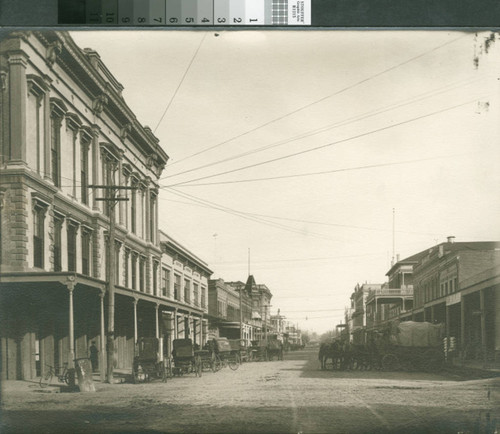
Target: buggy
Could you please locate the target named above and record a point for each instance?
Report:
(185, 359)
(149, 362)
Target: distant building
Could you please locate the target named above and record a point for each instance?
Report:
(393, 299)
(184, 291)
(358, 312)
(224, 311)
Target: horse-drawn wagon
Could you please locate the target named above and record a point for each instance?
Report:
(240, 349)
(267, 349)
(185, 359)
(149, 362)
(411, 345)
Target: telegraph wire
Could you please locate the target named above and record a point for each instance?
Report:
(377, 130)
(180, 83)
(324, 172)
(245, 216)
(335, 125)
(320, 100)
(195, 199)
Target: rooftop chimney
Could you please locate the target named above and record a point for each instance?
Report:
(451, 239)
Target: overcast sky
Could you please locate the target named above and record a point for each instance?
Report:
(414, 106)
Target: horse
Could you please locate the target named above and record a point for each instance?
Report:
(329, 350)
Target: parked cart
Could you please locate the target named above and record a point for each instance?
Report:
(224, 355)
(149, 363)
(240, 349)
(185, 359)
(411, 345)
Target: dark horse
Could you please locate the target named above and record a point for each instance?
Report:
(329, 350)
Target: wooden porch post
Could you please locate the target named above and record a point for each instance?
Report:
(482, 306)
(157, 306)
(102, 361)
(136, 300)
(71, 355)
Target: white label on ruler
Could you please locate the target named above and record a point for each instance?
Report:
(299, 12)
(255, 13)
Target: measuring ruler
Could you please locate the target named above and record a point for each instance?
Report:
(197, 12)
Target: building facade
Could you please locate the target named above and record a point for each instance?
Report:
(66, 132)
(184, 292)
(458, 284)
(225, 314)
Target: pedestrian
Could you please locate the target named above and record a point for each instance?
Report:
(94, 359)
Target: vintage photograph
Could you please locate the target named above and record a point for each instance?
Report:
(259, 231)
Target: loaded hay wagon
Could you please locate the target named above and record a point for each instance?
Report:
(149, 362)
(411, 345)
(185, 359)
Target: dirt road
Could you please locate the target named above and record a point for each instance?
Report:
(292, 396)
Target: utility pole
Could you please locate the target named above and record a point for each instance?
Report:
(111, 199)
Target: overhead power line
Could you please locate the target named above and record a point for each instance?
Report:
(324, 172)
(335, 125)
(371, 77)
(245, 215)
(197, 201)
(377, 130)
(180, 82)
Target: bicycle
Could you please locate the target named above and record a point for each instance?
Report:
(62, 375)
(226, 360)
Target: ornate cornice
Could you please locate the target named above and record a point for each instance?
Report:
(53, 50)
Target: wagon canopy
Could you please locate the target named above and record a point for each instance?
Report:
(183, 347)
(417, 334)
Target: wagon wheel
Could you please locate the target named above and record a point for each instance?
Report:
(390, 362)
(234, 363)
(197, 366)
(216, 363)
(163, 371)
(432, 361)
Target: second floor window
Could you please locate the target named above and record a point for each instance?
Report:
(155, 278)
(86, 252)
(165, 283)
(84, 171)
(177, 287)
(71, 247)
(134, 271)
(203, 298)
(55, 148)
(58, 222)
(196, 294)
(38, 236)
(142, 266)
(187, 291)
(133, 211)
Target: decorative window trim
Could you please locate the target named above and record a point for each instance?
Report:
(73, 121)
(36, 85)
(40, 200)
(58, 107)
(111, 150)
(86, 134)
